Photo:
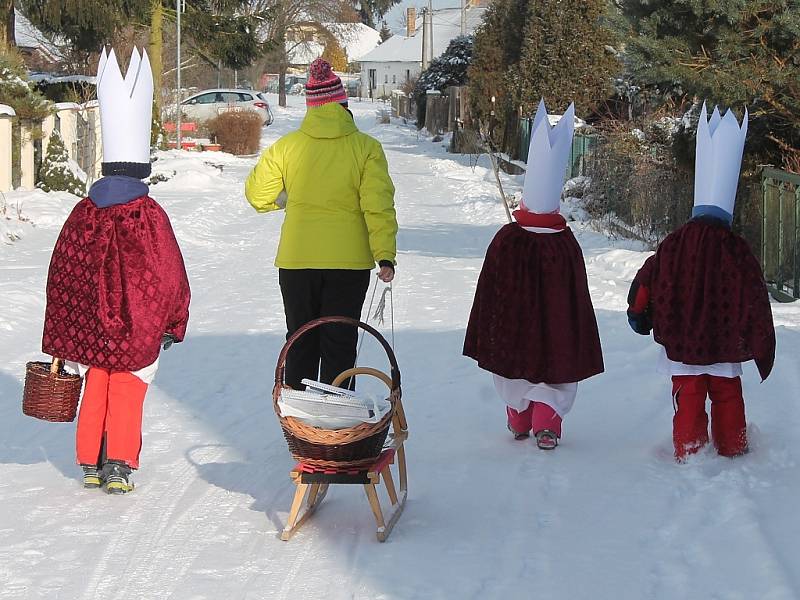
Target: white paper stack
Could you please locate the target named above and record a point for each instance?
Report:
(328, 407)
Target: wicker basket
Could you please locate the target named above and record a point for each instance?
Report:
(351, 447)
(51, 394)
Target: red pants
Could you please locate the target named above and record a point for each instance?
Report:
(537, 416)
(112, 405)
(690, 424)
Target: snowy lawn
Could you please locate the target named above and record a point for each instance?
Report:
(607, 515)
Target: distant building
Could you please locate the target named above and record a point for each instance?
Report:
(399, 59)
(39, 53)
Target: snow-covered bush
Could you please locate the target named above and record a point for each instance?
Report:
(58, 172)
(448, 69)
(16, 91)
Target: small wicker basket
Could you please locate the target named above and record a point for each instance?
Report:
(351, 447)
(51, 394)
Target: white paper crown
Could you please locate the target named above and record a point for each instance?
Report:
(720, 144)
(126, 107)
(548, 155)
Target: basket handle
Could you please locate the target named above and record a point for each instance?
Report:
(281, 366)
(55, 365)
(362, 371)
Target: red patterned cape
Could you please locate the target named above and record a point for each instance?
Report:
(532, 317)
(708, 300)
(116, 284)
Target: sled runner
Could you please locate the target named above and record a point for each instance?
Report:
(361, 455)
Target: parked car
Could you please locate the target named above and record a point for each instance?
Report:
(209, 103)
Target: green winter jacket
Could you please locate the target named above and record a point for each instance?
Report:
(340, 199)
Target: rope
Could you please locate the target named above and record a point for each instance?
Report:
(377, 316)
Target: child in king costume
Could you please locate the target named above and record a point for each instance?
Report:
(703, 295)
(117, 287)
(532, 322)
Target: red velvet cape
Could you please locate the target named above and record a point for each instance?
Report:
(708, 300)
(116, 284)
(532, 317)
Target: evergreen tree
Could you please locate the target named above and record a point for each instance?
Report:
(372, 11)
(86, 24)
(58, 173)
(498, 43)
(385, 32)
(448, 69)
(734, 53)
(567, 56)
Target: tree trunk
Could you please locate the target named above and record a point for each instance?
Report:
(283, 59)
(156, 62)
(7, 22)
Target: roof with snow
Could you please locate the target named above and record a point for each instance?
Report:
(27, 36)
(446, 26)
(356, 39)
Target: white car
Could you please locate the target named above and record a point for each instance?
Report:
(208, 104)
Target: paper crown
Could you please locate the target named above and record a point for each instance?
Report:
(548, 155)
(126, 108)
(720, 144)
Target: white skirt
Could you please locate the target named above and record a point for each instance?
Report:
(519, 393)
(146, 374)
(671, 367)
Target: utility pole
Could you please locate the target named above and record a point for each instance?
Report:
(427, 42)
(463, 17)
(178, 95)
(424, 38)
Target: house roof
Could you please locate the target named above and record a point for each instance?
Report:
(27, 36)
(356, 39)
(446, 26)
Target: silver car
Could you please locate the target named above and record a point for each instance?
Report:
(209, 103)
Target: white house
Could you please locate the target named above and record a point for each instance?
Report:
(399, 59)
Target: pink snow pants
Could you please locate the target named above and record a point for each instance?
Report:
(537, 416)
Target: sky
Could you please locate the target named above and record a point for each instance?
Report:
(393, 17)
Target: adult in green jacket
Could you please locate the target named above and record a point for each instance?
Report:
(334, 184)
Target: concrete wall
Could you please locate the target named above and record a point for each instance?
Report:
(65, 120)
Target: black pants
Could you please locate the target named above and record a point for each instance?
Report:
(328, 350)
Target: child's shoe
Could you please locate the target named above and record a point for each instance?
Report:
(518, 435)
(116, 477)
(92, 478)
(546, 439)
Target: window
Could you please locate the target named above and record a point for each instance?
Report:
(394, 78)
(386, 78)
(245, 97)
(408, 74)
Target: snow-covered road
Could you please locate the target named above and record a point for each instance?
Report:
(608, 515)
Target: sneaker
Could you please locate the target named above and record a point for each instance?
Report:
(546, 439)
(115, 477)
(92, 478)
(518, 435)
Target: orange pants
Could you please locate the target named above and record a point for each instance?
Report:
(111, 406)
(690, 423)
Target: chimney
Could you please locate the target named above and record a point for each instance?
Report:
(411, 21)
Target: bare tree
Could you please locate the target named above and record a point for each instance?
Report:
(289, 19)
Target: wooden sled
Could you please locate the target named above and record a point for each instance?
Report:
(312, 482)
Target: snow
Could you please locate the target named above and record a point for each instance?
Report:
(606, 515)
(7, 111)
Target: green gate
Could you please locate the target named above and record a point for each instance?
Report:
(780, 233)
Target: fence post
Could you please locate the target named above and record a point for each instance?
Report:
(94, 108)
(67, 114)
(6, 115)
(27, 162)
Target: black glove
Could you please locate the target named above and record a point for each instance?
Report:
(386, 263)
(641, 323)
(167, 340)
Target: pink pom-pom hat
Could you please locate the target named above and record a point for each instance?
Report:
(324, 85)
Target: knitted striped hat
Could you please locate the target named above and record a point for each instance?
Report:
(324, 85)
